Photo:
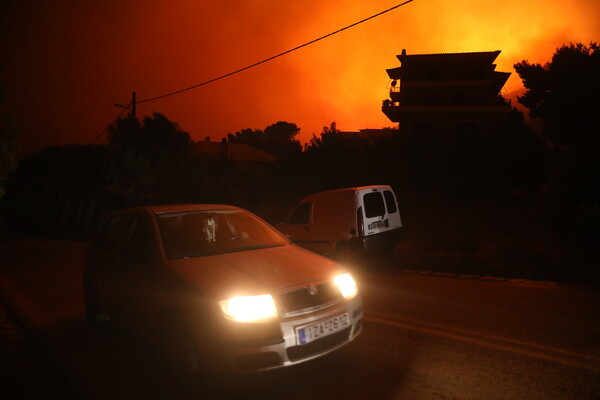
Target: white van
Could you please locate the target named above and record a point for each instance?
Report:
(343, 221)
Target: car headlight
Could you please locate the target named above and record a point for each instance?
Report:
(249, 308)
(347, 285)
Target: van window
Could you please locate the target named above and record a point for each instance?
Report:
(390, 202)
(374, 206)
(300, 216)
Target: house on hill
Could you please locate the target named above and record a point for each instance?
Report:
(238, 155)
(233, 152)
(371, 135)
(446, 93)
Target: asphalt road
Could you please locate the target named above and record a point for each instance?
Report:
(425, 337)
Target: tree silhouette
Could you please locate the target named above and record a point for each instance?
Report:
(517, 156)
(148, 159)
(337, 159)
(9, 145)
(278, 139)
(281, 139)
(251, 137)
(564, 93)
(59, 187)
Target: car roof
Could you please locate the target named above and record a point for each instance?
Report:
(349, 189)
(172, 208)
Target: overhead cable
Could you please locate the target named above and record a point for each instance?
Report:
(275, 56)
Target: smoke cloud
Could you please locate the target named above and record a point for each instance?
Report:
(65, 63)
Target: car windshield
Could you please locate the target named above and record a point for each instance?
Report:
(202, 233)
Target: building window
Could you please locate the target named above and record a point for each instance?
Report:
(432, 99)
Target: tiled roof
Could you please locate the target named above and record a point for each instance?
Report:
(452, 54)
(484, 55)
(230, 151)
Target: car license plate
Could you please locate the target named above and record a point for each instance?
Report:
(321, 329)
(379, 224)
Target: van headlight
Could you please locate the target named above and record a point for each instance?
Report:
(249, 308)
(347, 285)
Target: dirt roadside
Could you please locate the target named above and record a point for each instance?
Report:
(25, 372)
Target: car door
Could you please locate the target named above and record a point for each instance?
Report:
(298, 226)
(137, 287)
(105, 263)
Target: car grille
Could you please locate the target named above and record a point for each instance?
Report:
(309, 298)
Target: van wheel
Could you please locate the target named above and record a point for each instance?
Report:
(342, 251)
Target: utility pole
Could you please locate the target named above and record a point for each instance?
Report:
(130, 106)
(133, 104)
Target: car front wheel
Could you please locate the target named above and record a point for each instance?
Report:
(93, 315)
(179, 350)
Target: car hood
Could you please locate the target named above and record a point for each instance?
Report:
(254, 272)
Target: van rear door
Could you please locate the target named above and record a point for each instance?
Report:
(380, 212)
(373, 212)
(391, 204)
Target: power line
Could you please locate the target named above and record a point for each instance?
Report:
(275, 56)
(113, 121)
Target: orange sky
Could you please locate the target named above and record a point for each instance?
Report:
(66, 62)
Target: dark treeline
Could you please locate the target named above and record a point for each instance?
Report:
(151, 161)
